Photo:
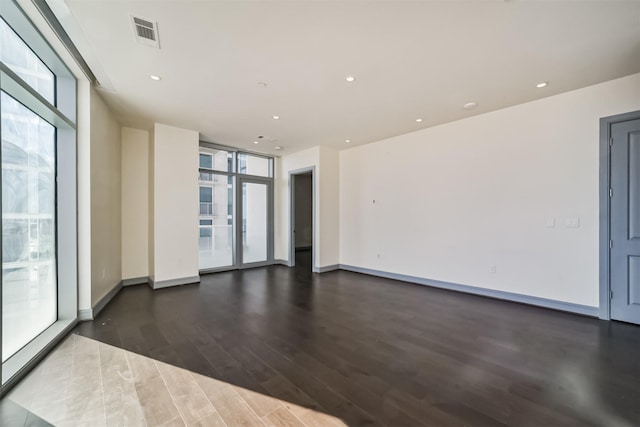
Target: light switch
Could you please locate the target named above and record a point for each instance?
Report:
(551, 222)
(573, 222)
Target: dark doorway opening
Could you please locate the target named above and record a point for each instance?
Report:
(302, 221)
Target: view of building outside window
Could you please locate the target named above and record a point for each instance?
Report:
(253, 165)
(216, 209)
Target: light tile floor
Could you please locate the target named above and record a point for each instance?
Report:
(84, 382)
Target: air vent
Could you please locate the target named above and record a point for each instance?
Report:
(145, 31)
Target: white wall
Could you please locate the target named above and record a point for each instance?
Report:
(325, 204)
(284, 165)
(135, 203)
(454, 200)
(106, 271)
(329, 207)
(175, 203)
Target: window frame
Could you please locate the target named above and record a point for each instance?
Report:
(62, 116)
(53, 74)
(249, 154)
(238, 178)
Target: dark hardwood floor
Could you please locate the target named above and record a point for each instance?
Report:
(373, 351)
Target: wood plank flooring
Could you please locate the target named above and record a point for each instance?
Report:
(372, 351)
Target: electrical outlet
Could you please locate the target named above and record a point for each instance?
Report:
(573, 222)
(493, 269)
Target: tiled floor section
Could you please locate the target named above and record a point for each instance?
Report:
(13, 415)
(88, 383)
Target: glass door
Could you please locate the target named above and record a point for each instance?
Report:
(236, 209)
(254, 232)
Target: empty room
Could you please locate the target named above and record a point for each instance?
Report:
(320, 213)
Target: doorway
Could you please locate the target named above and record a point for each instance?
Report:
(302, 234)
(620, 217)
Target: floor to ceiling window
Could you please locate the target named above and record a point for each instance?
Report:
(28, 226)
(235, 208)
(37, 127)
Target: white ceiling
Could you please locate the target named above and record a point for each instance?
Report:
(419, 59)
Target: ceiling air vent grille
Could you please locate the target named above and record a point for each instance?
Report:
(145, 31)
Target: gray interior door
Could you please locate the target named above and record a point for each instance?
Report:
(625, 221)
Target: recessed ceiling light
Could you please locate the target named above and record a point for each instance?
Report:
(256, 142)
(347, 140)
(276, 117)
(418, 120)
(278, 147)
(469, 105)
(350, 79)
(154, 77)
(541, 85)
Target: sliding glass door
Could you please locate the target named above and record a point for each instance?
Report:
(235, 217)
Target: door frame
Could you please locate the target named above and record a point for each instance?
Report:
(605, 208)
(292, 212)
(252, 179)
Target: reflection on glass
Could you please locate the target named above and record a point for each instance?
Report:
(29, 297)
(216, 221)
(254, 222)
(253, 165)
(16, 55)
